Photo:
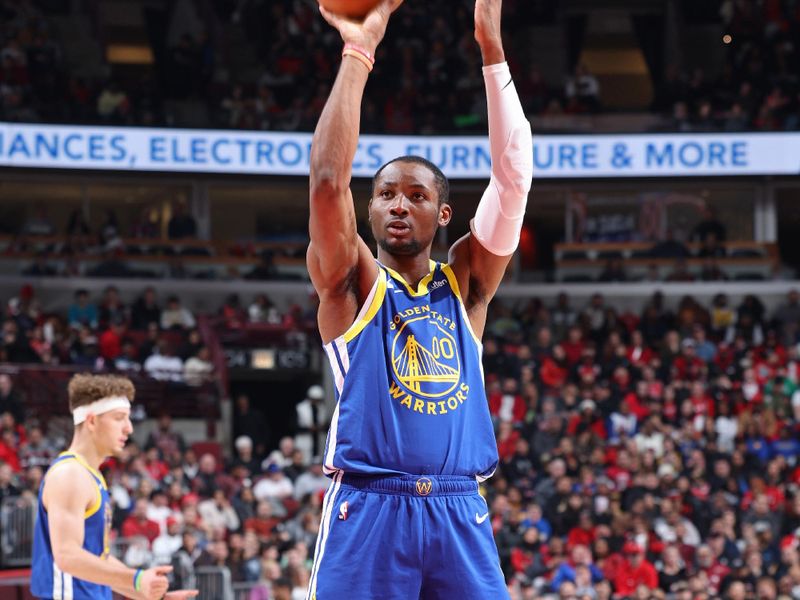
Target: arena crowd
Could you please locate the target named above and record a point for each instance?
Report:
(650, 455)
(427, 78)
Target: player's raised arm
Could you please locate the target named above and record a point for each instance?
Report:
(480, 259)
(335, 247)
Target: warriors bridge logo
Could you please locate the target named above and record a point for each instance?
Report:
(425, 362)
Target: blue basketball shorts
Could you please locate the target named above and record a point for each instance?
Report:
(405, 538)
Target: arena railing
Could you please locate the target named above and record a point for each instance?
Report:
(245, 591)
(214, 583)
(134, 551)
(584, 262)
(17, 517)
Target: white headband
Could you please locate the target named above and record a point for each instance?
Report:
(99, 407)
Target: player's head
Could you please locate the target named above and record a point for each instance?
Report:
(408, 204)
(100, 407)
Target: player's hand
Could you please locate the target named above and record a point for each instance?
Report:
(488, 32)
(367, 33)
(181, 594)
(155, 582)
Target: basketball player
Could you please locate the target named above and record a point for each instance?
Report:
(71, 559)
(411, 435)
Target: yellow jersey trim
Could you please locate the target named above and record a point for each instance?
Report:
(98, 500)
(422, 286)
(451, 279)
(372, 309)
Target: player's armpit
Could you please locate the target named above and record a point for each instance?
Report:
(341, 296)
(333, 251)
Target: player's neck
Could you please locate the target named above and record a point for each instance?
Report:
(88, 450)
(411, 268)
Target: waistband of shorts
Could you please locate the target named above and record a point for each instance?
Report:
(413, 485)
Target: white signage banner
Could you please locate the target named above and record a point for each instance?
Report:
(270, 153)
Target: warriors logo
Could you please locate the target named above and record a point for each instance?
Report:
(424, 356)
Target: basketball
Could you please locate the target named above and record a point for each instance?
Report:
(352, 9)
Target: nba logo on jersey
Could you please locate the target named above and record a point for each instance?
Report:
(343, 511)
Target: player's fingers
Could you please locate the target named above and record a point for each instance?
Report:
(163, 570)
(332, 19)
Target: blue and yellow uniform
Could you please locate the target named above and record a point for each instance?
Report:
(47, 580)
(410, 439)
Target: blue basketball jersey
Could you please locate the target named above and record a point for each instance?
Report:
(409, 384)
(47, 580)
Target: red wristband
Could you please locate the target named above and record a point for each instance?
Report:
(362, 51)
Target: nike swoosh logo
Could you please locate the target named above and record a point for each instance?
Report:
(481, 519)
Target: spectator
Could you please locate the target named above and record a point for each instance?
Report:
(507, 404)
(787, 318)
(582, 91)
(137, 524)
(145, 310)
(182, 224)
(111, 340)
(7, 487)
(218, 513)
(82, 311)
(10, 399)
(312, 481)
(207, 478)
(39, 224)
(250, 422)
(283, 455)
(275, 486)
(312, 423)
(244, 456)
(167, 545)
(113, 105)
(112, 309)
(622, 424)
(37, 451)
(580, 556)
(262, 310)
(638, 571)
(184, 561)
(175, 316)
(128, 359)
(169, 442)
(198, 369)
(164, 365)
(282, 589)
(263, 523)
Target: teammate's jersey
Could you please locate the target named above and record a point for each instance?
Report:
(47, 580)
(409, 384)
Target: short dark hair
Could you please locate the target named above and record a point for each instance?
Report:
(442, 185)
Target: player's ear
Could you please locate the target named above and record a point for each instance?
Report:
(90, 422)
(445, 214)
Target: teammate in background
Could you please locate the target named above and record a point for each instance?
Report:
(71, 559)
(411, 435)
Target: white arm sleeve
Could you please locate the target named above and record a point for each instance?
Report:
(498, 220)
